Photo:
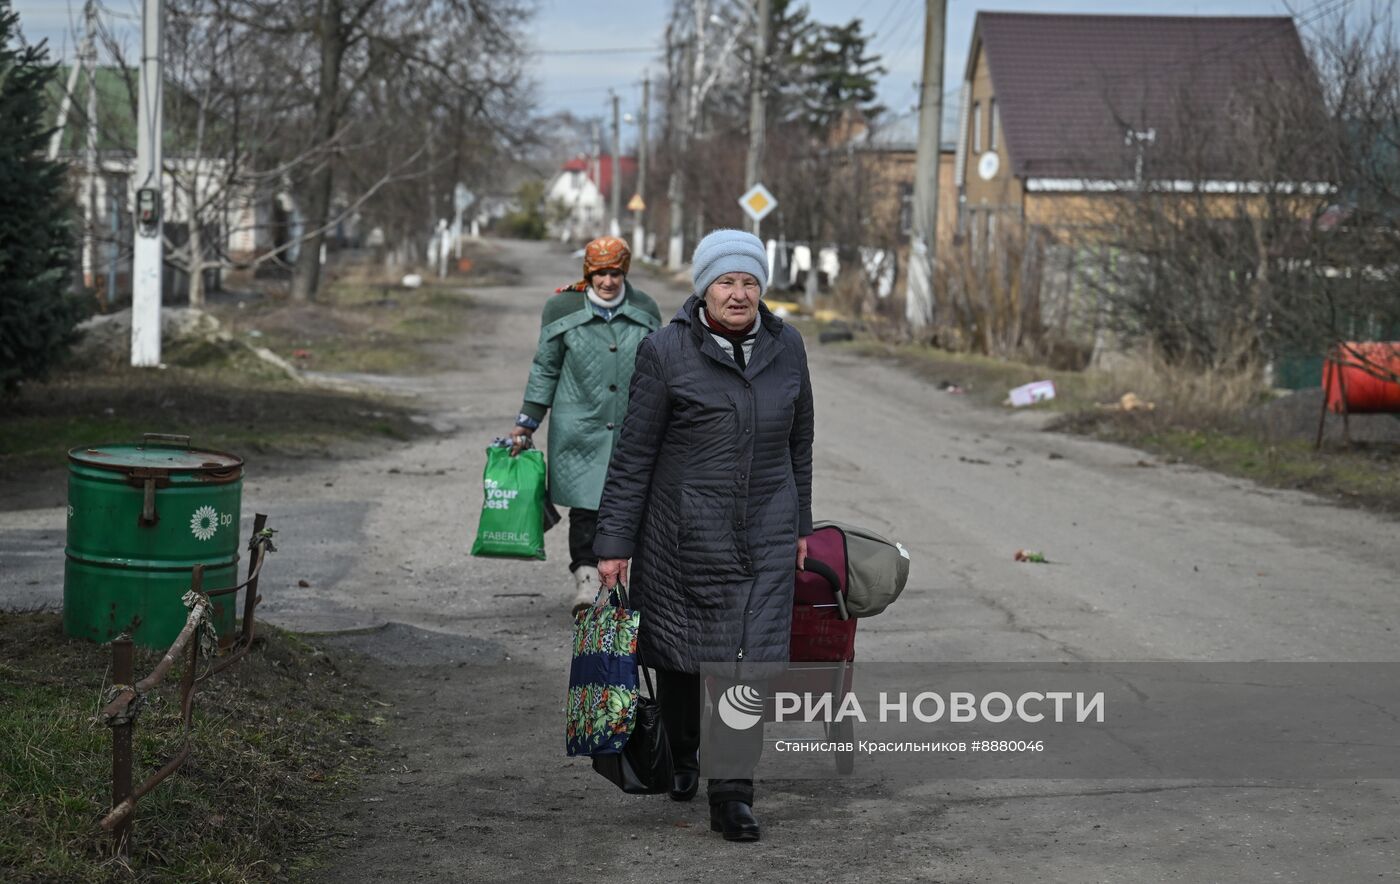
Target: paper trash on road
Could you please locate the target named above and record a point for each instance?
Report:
(1030, 394)
(1129, 402)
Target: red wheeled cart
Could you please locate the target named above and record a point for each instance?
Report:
(823, 632)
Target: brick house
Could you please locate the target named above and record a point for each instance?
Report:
(885, 155)
(1062, 112)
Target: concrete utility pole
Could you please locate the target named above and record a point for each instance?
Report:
(639, 239)
(919, 302)
(56, 140)
(595, 166)
(753, 166)
(90, 147)
(147, 254)
(615, 204)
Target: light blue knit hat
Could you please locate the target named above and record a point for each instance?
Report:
(729, 251)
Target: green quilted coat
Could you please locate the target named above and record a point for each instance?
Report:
(581, 372)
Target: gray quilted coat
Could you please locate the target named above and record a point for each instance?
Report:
(708, 489)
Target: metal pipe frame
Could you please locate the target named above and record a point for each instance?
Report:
(120, 713)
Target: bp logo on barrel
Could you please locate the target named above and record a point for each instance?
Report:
(204, 523)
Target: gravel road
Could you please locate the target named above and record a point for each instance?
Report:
(1153, 562)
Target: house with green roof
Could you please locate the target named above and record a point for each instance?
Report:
(236, 221)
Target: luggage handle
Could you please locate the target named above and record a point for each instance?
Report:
(827, 573)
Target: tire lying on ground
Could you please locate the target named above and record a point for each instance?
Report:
(835, 332)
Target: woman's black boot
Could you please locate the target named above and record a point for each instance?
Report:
(685, 777)
(683, 784)
(734, 819)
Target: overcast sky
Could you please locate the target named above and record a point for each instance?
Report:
(581, 82)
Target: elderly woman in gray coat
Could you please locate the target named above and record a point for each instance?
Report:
(709, 495)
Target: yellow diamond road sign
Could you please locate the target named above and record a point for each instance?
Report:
(758, 202)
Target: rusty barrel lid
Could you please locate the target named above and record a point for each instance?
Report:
(168, 455)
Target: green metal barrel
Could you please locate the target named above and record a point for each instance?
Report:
(139, 518)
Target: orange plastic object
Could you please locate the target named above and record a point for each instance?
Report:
(1350, 372)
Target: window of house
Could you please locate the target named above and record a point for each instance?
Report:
(976, 128)
(994, 125)
(906, 209)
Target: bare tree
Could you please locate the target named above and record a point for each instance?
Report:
(701, 39)
(351, 55)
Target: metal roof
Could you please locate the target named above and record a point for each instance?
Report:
(1070, 88)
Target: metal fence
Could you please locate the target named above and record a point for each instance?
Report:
(126, 699)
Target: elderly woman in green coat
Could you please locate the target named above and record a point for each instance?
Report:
(589, 335)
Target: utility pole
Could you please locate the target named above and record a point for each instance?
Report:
(56, 140)
(639, 239)
(690, 65)
(753, 166)
(919, 302)
(615, 207)
(90, 147)
(114, 228)
(147, 255)
(595, 166)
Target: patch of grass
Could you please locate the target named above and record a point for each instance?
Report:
(241, 415)
(275, 735)
(358, 326)
(1367, 474)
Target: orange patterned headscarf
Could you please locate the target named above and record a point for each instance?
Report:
(604, 253)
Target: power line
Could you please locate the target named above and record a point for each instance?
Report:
(585, 89)
(883, 37)
(910, 36)
(616, 50)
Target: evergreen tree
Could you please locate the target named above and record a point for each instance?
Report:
(838, 74)
(38, 310)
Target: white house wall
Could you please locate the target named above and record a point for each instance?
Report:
(587, 210)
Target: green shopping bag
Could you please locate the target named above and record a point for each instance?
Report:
(513, 505)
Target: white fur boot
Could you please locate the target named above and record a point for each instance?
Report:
(586, 585)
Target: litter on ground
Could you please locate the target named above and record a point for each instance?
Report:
(1030, 394)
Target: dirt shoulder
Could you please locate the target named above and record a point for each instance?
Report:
(288, 730)
(1266, 439)
(277, 734)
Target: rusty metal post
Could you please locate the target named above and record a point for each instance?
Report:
(1326, 392)
(1346, 408)
(187, 680)
(122, 674)
(255, 557)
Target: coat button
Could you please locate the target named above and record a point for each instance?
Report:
(612, 348)
(612, 388)
(747, 385)
(610, 425)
